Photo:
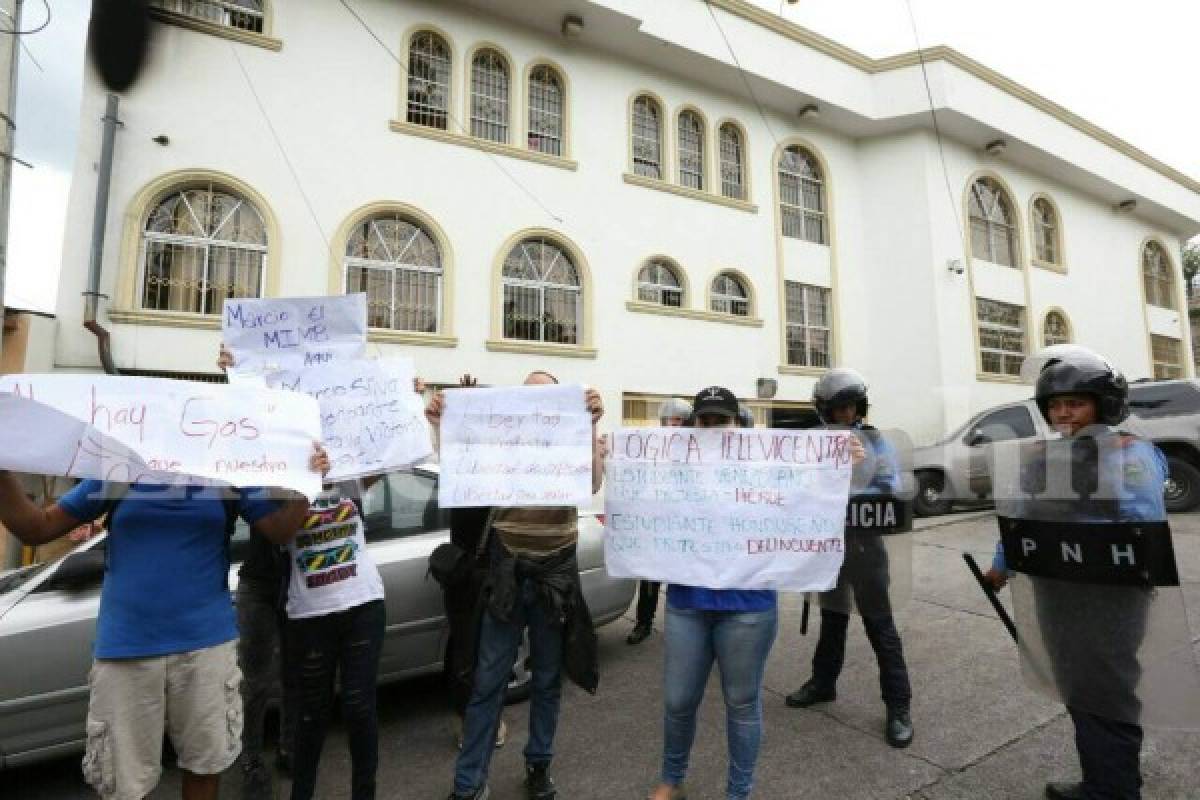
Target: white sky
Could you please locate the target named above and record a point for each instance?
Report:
(1128, 67)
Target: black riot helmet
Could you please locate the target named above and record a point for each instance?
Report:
(1071, 369)
(839, 387)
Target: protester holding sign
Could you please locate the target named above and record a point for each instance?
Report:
(533, 582)
(840, 397)
(165, 657)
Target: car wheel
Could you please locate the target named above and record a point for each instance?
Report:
(520, 682)
(1182, 487)
(933, 495)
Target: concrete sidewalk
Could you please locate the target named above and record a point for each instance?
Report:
(980, 732)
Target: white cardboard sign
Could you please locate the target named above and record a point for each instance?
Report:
(289, 333)
(518, 446)
(727, 508)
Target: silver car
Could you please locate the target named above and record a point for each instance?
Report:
(48, 615)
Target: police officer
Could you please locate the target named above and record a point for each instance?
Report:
(1087, 631)
(840, 398)
(674, 413)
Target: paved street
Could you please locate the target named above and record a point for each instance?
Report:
(980, 733)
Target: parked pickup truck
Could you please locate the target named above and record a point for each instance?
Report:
(955, 471)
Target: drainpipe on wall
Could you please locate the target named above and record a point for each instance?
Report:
(99, 219)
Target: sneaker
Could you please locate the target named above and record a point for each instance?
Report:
(640, 633)
(478, 794)
(538, 784)
(899, 728)
(809, 695)
(256, 781)
(1064, 791)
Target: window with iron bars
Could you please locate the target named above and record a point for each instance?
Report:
(809, 332)
(1156, 276)
(993, 234)
(801, 196)
(244, 15)
(658, 284)
(1045, 231)
(428, 80)
(647, 138)
(399, 266)
(201, 245)
(489, 96)
(732, 166)
(545, 111)
(1001, 337)
(691, 150)
(1168, 361)
(542, 294)
(729, 296)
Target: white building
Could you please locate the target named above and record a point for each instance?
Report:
(635, 194)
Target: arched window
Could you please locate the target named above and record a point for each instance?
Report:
(542, 294)
(428, 80)
(729, 296)
(202, 244)
(801, 196)
(398, 264)
(658, 283)
(993, 228)
(646, 137)
(691, 150)
(733, 163)
(1046, 232)
(1056, 329)
(1156, 276)
(545, 111)
(489, 96)
(245, 15)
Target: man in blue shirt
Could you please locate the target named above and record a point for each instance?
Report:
(165, 658)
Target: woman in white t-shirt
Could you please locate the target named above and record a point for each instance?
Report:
(335, 624)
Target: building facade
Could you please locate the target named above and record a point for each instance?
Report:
(646, 197)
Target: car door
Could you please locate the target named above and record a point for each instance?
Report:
(403, 525)
(46, 640)
(1004, 424)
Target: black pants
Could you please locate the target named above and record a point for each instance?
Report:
(1109, 754)
(647, 602)
(260, 637)
(318, 648)
(889, 652)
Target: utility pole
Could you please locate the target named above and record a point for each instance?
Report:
(10, 50)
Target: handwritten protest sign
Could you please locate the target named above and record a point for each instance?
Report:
(128, 429)
(727, 508)
(520, 446)
(371, 419)
(271, 334)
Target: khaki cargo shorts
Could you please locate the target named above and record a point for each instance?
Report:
(193, 697)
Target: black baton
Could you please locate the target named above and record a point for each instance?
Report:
(991, 595)
(804, 617)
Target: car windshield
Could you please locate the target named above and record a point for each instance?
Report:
(18, 578)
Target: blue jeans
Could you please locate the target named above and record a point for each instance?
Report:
(498, 643)
(740, 643)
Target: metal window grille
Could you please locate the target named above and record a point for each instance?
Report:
(545, 111)
(801, 196)
(732, 167)
(399, 266)
(658, 283)
(647, 138)
(1156, 276)
(1168, 363)
(1056, 330)
(428, 80)
(245, 15)
(729, 296)
(201, 245)
(993, 234)
(1001, 337)
(691, 151)
(489, 96)
(542, 294)
(1045, 227)
(808, 325)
